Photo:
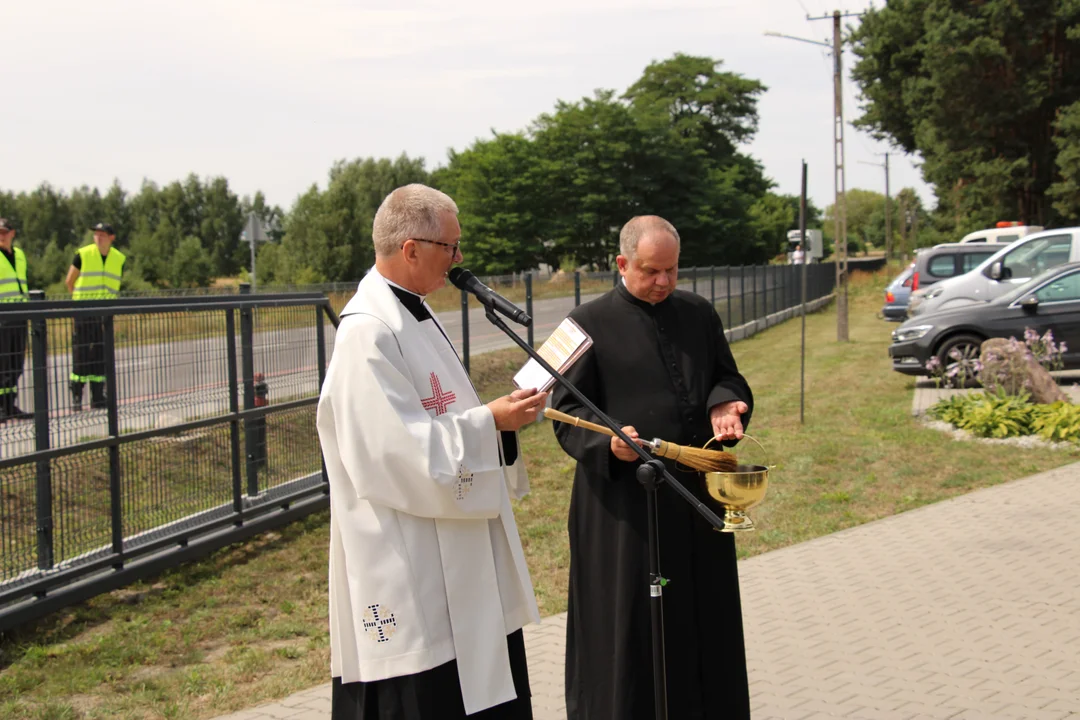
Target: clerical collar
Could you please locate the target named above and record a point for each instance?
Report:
(413, 302)
(394, 285)
(629, 296)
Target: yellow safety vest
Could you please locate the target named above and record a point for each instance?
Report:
(98, 280)
(13, 279)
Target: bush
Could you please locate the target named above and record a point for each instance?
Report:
(999, 415)
(986, 415)
(1057, 422)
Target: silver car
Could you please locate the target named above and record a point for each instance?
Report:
(1011, 266)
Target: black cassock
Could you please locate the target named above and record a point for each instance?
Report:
(659, 368)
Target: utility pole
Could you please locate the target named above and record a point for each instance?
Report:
(840, 207)
(888, 213)
(840, 214)
(888, 206)
(802, 287)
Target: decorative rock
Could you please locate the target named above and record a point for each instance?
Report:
(1008, 365)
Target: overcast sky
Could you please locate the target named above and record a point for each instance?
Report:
(269, 93)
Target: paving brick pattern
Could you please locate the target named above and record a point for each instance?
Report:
(968, 609)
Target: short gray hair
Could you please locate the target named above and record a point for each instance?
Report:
(411, 211)
(638, 227)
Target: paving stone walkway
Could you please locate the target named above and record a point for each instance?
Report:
(968, 609)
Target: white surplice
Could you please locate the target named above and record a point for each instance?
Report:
(425, 560)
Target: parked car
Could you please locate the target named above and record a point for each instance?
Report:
(942, 262)
(1050, 301)
(1009, 267)
(1005, 232)
(897, 293)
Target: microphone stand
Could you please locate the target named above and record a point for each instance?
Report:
(650, 474)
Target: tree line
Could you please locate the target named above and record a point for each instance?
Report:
(556, 193)
(987, 95)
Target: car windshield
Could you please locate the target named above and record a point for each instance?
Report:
(1021, 290)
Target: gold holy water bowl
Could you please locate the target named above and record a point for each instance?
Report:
(738, 491)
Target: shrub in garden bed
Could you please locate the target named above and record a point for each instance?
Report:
(1000, 415)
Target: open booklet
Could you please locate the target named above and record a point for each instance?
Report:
(568, 343)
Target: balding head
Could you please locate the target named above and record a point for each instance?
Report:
(639, 227)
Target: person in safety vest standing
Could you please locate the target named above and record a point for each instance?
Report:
(94, 275)
(12, 333)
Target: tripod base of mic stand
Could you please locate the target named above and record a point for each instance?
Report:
(648, 474)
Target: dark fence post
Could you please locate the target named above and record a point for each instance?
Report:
(320, 338)
(615, 278)
(39, 350)
(753, 284)
(247, 360)
(787, 286)
(234, 423)
(320, 356)
(529, 305)
(115, 494)
(742, 294)
(727, 283)
(764, 291)
(693, 278)
(712, 285)
(776, 289)
(465, 329)
(577, 288)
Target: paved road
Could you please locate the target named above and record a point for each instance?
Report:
(163, 384)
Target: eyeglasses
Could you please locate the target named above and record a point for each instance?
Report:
(455, 248)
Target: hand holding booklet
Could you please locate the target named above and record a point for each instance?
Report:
(568, 343)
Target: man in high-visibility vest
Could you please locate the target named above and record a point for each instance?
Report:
(94, 275)
(12, 334)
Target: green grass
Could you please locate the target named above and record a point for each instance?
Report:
(248, 625)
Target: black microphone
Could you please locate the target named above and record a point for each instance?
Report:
(468, 282)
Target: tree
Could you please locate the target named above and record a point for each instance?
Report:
(1066, 191)
(913, 221)
(696, 116)
(590, 152)
(499, 187)
(863, 227)
(772, 216)
(328, 234)
(975, 89)
(714, 110)
(191, 265)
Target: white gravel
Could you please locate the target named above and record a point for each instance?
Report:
(1025, 441)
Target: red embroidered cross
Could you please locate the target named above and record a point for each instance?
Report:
(439, 401)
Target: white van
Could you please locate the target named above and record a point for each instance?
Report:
(1004, 232)
(1011, 266)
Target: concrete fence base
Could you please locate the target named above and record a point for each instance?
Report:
(741, 332)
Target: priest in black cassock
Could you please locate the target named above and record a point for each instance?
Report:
(661, 367)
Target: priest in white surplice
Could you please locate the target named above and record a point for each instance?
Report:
(428, 584)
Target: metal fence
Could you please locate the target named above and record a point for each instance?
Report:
(168, 450)
(164, 428)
